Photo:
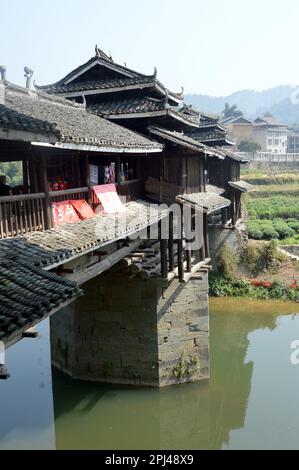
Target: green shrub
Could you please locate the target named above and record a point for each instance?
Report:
(262, 257)
(293, 224)
(223, 287)
(227, 262)
(270, 234)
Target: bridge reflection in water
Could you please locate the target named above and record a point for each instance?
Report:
(246, 403)
(193, 416)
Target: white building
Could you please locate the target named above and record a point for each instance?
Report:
(271, 135)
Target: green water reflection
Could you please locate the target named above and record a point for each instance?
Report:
(250, 401)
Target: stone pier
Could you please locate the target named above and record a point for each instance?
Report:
(135, 332)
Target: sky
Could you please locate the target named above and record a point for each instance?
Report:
(211, 47)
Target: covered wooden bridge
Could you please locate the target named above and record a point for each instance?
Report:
(53, 240)
(89, 205)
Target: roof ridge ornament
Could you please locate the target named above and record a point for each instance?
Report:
(99, 54)
(154, 75)
(3, 70)
(28, 75)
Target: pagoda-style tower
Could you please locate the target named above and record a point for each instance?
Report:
(197, 154)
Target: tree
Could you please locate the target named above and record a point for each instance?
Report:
(231, 111)
(13, 171)
(268, 115)
(249, 146)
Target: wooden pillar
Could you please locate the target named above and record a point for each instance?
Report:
(45, 189)
(206, 236)
(183, 173)
(87, 178)
(239, 206)
(170, 243)
(180, 250)
(189, 258)
(77, 172)
(117, 170)
(233, 208)
(162, 172)
(163, 248)
(202, 251)
(223, 216)
(32, 170)
(25, 172)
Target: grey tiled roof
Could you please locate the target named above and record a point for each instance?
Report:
(11, 119)
(128, 106)
(98, 84)
(74, 124)
(109, 85)
(209, 201)
(184, 140)
(268, 121)
(58, 245)
(94, 60)
(241, 185)
(229, 154)
(140, 105)
(205, 118)
(126, 77)
(28, 294)
(215, 189)
(208, 135)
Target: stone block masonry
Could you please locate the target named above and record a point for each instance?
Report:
(135, 332)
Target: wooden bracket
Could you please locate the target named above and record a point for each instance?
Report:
(4, 374)
(30, 333)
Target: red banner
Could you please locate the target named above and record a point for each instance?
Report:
(108, 197)
(83, 209)
(64, 213)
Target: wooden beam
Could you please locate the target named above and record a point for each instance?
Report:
(4, 374)
(164, 270)
(86, 274)
(197, 267)
(30, 333)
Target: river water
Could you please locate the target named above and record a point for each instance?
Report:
(251, 401)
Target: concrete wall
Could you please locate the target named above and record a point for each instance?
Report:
(135, 332)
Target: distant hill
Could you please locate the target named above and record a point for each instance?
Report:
(276, 100)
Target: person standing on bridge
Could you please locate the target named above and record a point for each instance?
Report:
(4, 188)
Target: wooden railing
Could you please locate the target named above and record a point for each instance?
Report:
(26, 213)
(74, 194)
(21, 214)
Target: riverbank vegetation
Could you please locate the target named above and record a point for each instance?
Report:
(260, 290)
(255, 274)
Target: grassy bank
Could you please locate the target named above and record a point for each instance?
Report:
(222, 286)
(260, 272)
